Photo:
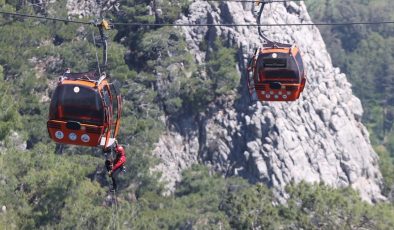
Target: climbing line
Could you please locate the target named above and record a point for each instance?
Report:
(115, 213)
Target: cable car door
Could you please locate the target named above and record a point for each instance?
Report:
(116, 105)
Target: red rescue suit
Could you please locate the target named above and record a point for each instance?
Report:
(120, 158)
(115, 166)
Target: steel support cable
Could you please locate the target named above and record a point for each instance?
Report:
(251, 24)
(263, 1)
(45, 18)
(101, 30)
(203, 24)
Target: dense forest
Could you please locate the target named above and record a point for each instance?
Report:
(42, 188)
(366, 55)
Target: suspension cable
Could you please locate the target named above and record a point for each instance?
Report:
(205, 24)
(250, 24)
(255, 1)
(45, 18)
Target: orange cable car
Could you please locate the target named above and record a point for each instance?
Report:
(85, 108)
(276, 71)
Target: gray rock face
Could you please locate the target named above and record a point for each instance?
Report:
(86, 8)
(14, 140)
(317, 138)
(83, 8)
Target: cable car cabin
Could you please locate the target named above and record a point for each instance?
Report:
(85, 110)
(276, 74)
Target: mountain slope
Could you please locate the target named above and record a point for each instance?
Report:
(317, 138)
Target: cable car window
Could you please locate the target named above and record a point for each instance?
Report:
(300, 63)
(77, 103)
(272, 60)
(115, 88)
(269, 74)
(105, 93)
(292, 65)
(274, 63)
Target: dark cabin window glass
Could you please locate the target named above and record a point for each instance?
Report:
(114, 89)
(300, 63)
(274, 63)
(76, 103)
(280, 74)
(270, 69)
(107, 99)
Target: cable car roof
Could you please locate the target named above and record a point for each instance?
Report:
(90, 79)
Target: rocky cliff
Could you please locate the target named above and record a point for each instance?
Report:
(318, 138)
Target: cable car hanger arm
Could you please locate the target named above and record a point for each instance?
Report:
(258, 23)
(101, 25)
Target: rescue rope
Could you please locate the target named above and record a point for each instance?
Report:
(114, 191)
(116, 209)
(110, 156)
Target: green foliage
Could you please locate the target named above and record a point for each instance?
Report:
(386, 165)
(365, 54)
(171, 10)
(196, 92)
(80, 209)
(198, 180)
(54, 191)
(322, 207)
(251, 207)
(45, 188)
(193, 88)
(42, 190)
(62, 195)
(9, 116)
(197, 204)
(308, 207)
(222, 69)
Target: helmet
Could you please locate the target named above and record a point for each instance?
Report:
(119, 149)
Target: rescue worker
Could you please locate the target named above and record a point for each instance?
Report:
(117, 165)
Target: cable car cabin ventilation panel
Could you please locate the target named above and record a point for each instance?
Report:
(276, 74)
